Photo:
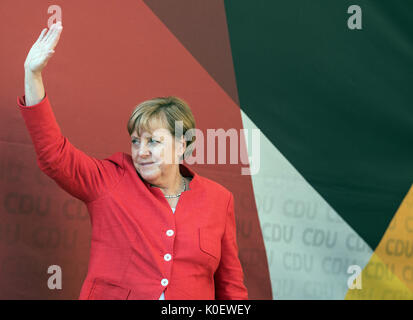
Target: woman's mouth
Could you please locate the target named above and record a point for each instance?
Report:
(144, 164)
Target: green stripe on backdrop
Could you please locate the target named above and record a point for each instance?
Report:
(336, 102)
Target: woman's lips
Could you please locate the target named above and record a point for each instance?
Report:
(146, 164)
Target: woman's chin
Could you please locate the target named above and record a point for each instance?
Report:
(149, 173)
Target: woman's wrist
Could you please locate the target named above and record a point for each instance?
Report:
(33, 86)
(31, 74)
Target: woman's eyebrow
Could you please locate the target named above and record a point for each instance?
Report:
(149, 137)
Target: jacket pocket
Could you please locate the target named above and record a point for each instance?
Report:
(209, 242)
(105, 290)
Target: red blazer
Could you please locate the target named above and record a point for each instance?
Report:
(139, 248)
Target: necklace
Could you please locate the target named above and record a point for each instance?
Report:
(177, 195)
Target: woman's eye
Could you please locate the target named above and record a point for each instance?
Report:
(151, 141)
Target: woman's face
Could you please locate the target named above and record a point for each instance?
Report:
(155, 153)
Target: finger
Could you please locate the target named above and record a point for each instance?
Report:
(56, 28)
(50, 32)
(54, 38)
(48, 57)
(42, 35)
(47, 34)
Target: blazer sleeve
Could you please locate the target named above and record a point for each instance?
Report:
(229, 277)
(84, 177)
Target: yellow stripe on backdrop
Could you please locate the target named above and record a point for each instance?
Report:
(389, 273)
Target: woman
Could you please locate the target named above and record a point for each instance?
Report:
(159, 230)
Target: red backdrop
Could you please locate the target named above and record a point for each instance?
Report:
(111, 56)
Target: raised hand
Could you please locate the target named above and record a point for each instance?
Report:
(43, 49)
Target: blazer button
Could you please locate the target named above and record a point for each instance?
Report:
(164, 282)
(167, 257)
(170, 233)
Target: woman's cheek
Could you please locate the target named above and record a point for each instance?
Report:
(170, 155)
(158, 153)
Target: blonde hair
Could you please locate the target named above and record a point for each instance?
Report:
(167, 110)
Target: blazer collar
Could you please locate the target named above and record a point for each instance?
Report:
(187, 172)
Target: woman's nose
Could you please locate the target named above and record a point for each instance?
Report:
(143, 149)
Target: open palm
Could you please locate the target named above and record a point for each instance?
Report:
(43, 49)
